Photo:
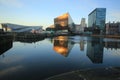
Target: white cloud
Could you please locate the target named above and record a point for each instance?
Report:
(14, 3)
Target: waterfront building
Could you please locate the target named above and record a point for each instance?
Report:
(64, 23)
(50, 28)
(113, 28)
(8, 27)
(97, 18)
(83, 24)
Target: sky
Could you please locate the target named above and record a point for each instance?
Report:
(43, 12)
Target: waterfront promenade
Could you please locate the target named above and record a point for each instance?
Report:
(45, 35)
(90, 74)
(107, 36)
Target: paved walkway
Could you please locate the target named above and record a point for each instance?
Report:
(90, 74)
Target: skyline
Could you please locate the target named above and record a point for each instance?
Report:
(43, 12)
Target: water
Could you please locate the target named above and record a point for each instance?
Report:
(51, 56)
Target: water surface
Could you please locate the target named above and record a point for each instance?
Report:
(51, 56)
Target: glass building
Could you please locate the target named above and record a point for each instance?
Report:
(8, 27)
(97, 18)
(64, 23)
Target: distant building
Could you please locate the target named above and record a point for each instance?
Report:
(96, 19)
(50, 28)
(8, 27)
(77, 28)
(83, 24)
(113, 28)
(64, 23)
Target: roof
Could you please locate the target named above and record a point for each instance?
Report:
(95, 10)
(21, 28)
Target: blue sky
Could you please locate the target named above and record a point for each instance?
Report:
(42, 12)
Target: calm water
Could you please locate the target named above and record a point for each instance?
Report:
(30, 60)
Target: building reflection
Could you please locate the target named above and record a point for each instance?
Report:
(5, 44)
(24, 40)
(82, 43)
(112, 45)
(95, 50)
(62, 45)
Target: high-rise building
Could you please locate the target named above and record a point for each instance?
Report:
(97, 18)
(83, 24)
(64, 22)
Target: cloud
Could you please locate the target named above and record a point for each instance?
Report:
(13, 3)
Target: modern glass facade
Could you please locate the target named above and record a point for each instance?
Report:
(64, 22)
(97, 18)
(8, 27)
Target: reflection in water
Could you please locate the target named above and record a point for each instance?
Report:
(112, 45)
(28, 40)
(78, 40)
(62, 45)
(5, 45)
(10, 70)
(45, 62)
(82, 43)
(95, 50)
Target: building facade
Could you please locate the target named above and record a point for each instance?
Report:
(83, 24)
(97, 18)
(113, 28)
(64, 23)
(77, 28)
(50, 28)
